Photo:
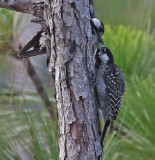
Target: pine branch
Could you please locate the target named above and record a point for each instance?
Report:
(34, 7)
(41, 91)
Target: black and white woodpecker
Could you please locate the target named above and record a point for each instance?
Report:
(110, 87)
(99, 28)
(39, 44)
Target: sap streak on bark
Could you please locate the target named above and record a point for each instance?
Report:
(77, 113)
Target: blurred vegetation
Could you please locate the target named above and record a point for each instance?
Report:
(129, 33)
(139, 14)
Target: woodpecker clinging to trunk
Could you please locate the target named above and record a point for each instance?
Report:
(98, 26)
(39, 44)
(110, 87)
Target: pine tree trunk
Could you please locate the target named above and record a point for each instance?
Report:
(72, 49)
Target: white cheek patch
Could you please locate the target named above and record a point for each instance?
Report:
(104, 58)
(97, 23)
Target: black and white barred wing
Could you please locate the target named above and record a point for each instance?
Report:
(115, 84)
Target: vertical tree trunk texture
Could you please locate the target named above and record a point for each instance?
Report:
(72, 47)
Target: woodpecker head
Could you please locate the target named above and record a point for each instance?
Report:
(104, 56)
(98, 25)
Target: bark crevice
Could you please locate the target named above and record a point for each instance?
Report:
(78, 121)
(77, 112)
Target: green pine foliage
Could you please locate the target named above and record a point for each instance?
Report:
(139, 14)
(6, 21)
(32, 130)
(134, 50)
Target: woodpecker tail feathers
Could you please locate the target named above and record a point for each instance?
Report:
(107, 123)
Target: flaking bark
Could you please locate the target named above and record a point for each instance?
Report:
(72, 48)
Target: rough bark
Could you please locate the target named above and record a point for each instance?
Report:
(20, 38)
(72, 48)
(69, 22)
(34, 7)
